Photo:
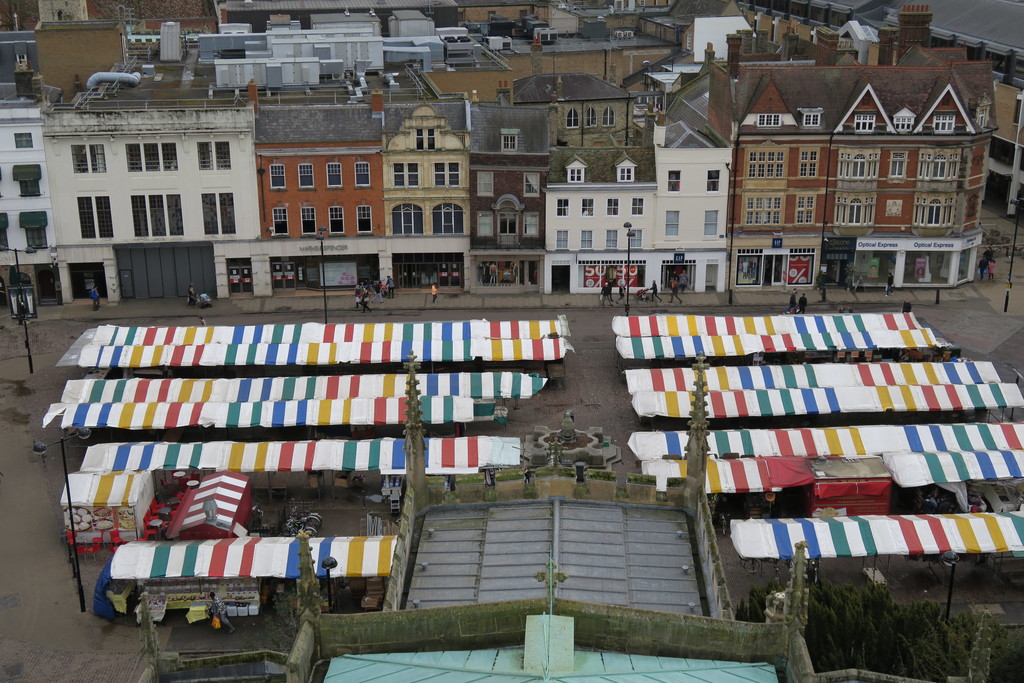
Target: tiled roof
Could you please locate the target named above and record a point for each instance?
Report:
(687, 117)
(601, 163)
(575, 86)
(316, 123)
(489, 120)
(454, 111)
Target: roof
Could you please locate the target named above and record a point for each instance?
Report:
(992, 21)
(454, 112)
(687, 116)
(613, 554)
(601, 163)
(946, 467)
(575, 87)
(491, 121)
(316, 124)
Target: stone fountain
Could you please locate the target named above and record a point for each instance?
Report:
(568, 445)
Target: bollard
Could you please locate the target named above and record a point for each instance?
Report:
(824, 297)
(937, 293)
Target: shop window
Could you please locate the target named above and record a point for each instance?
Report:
(926, 267)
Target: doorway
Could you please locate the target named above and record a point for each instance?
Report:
(774, 269)
(560, 278)
(47, 285)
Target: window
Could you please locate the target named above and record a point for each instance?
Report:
(769, 120)
(447, 219)
(485, 224)
(903, 124)
(943, 123)
(151, 157)
(671, 224)
(858, 165)
(23, 140)
(34, 224)
(590, 117)
(562, 207)
(362, 173)
(764, 211)
(576, 175)
(224, 218)
(864, 123)
(572, 118)
(561, 239)
(95, 218)
(446, 175)
(612, 207)
(307, 218)
(637, 207)
(586, 239)
(531, 223)
(608, 117)
(766, 164)
(509, 142)
(812, 119)
(713, 178)
(675, 181)
(169, 151)
(981, 118)
(306, 175)
(227, 213)
(485, 183)
(140, 216)
(937, 166)
(88, 158)
(531, 184)
(333, 174)
(223, 150)
(336, 218)
(805, 209)
(625, 174)
(808, 163)
(587, 207)
(204, 152)
(425, 138)
(406, 175)
(364, 218)
(855, 210)
(277, 176)
(151, 151)
(611, 239)
(407, 219)
(934, 211)
(28, 176)
(897, 164)
(637, 240)
(209, 202)
(280, 220)
(711, 223)
(133, 156)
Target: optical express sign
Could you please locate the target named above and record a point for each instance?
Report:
(918, 245)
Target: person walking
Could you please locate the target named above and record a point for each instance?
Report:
(622, 291)
(391, 287)
(982, 268)
(889, 281)
(801, 304)
(992, 270)
(907, 306)
(219, 609)
(606, 294)
(684, 282)
(364, 301)
(792, 307)
(94, 294)
(674, 288)
(433, 293)
(654, 291)
(359, 295)
(378, 292)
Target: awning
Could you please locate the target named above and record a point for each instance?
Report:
(227, 490)
(103, 490)
(880, 535)
(715, 326)
(32, 219)
(947, 467)
(250, 558)
(740, 475)
(26, 172)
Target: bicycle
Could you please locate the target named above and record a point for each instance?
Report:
(751, 565)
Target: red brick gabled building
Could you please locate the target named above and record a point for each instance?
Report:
(865, 170)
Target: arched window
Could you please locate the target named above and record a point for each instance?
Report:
(934, 213)
(447, 219)
(608, 118)
(590, 119)
(407, 219)
(855, 213)
(572, 118)
(858, 167)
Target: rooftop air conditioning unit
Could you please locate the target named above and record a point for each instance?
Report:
(620, 34)
(627, 34)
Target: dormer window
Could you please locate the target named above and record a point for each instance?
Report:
(509, 140)
(576, 174)
(864, 123)
(943, 123)
(626, 173)
(811, 118)
(903, 123)
(769, 120)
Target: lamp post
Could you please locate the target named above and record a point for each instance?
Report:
(321, 233)
(1019, 202)
(950, 558)
(629, 256)
(40, 447)
(329, 563)
(22, 303)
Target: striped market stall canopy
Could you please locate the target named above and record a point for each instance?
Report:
(846, 441)
(725, 326)
(227, 490)
(444, 455)
(997, 532)
(947, 467)
(481, 385)
(753, 475)
(777, 402)
(727, 378)
(353, 411)
(103, 490)
(250, 558)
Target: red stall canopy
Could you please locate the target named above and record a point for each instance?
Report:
(220, 507)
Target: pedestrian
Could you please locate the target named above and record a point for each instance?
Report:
(391, 287)
(684, 282)
(219, 610)
(674, 287)
(359, 295)
(606, 293)
(433, 293)
(991, 270)
(622, 291)
(202, 321)
(801, 304)
(364, 301)
(982, 268)
(792, 307)
(654, 291)
(889, 285)
(378, 292)
(907, 306)
(94, 294)
(193, 298)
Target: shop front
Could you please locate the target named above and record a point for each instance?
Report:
(510, 272)
(701, 268)
(591, 275)
(239, 276)
(838, 258)
(423, 270)
(289, 273)
(914, 261)
(776, 266)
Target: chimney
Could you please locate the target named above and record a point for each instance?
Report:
(709, 53)
(828, 46)
(536, 53)
(790, 46)
(887, 36)
(613, 73)
(649, 120)
(746, 41)
(503, 94)
(761, 42)
(915, 27)
(254, 95)
(23, 83)
(558, 88)
(377, 100)
(733, 42)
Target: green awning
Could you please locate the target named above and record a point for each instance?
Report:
(3, 221)
(32, 219)
(27, 172)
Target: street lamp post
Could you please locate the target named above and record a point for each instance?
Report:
(629, 256)
(1019, 202)
(950, 558)
(321, 233)
(22, 303)
(329, 563)
(40, 447)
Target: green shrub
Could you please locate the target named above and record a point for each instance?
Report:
(645, 479)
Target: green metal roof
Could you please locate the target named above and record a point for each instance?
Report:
(507, 665)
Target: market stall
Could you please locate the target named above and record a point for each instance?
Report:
(101, 503)
(848, 486)
(995, 475)
(219, 507)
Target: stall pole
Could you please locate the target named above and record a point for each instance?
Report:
(1018, 202)
(950, 558)
(22, 304)
(329, 563)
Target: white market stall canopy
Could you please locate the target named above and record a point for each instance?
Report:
(351, 411)
(250, 558)
(770, 325)
(998, 532)
(948, 467)
(447, 455)
(812, 376)
(647, 348)
(826, 400)
(478, 385)
(752, 475)
(846, 441)
(124, 489)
